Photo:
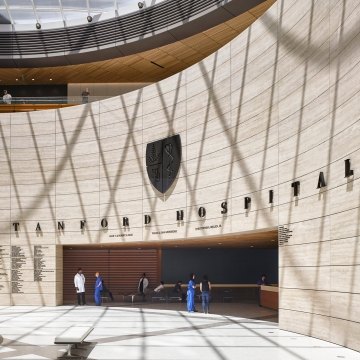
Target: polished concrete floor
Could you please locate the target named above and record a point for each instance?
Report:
(160, 332)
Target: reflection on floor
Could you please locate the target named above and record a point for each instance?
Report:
(160, 331)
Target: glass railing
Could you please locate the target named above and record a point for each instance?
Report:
(68, 100)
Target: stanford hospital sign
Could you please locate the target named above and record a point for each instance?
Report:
(163, 160)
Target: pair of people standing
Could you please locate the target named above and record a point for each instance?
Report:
(79, 282)
(205, 288)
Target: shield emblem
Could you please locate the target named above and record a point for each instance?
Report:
(163, 159)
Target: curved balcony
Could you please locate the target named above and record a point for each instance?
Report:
(149, 28)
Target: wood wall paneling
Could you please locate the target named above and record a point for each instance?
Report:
(120, 269)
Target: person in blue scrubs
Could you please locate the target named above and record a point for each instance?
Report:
(191, 294)
(98, 289)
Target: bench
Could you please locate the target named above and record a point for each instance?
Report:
(172, 298)
(74, 335)
(159, 296)
(130, 296)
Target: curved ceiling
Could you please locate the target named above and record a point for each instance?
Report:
(144, 67)
(24, 14)
(156, 26)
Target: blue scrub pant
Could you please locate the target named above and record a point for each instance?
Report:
(191, 300)
(97, 297)
(205, 296)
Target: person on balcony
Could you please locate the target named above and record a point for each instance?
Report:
(85, 96)
(7, 97)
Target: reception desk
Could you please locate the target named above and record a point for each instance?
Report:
(227, 292)
(269, 297)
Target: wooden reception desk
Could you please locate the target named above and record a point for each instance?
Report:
(269, 297)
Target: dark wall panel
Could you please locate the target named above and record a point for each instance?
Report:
(35, 90)
(223, 266)
(120, 269)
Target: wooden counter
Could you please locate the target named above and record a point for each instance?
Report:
(269, 297)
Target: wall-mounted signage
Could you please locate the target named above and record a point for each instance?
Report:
(163, 158)
(162, 149)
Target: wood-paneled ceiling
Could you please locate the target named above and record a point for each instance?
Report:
(266, 238)
(146, 67)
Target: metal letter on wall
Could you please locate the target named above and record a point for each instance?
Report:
(202, 212)
(247, 202)
(16, 226)
(163, 158)
(61, 225)
(348, 171)
(180, 215)
(296, 186)
(321, 181)
(271, 196)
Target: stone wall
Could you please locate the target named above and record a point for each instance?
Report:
(277, 105)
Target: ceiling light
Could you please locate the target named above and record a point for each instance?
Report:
(219, 243)
(38, 25)
(251, 246)
(140, 4)
(89, 18)
(17, 79)
(209, 248)
(32, 79)
(50, 79)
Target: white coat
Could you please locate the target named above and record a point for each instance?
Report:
(79, 282)
(145, 284)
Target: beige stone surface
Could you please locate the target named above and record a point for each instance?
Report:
(279, 103)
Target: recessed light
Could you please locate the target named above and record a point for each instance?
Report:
(209, 248)
(251, 246)
(219, 243)
(17, 79)
(50, 79)
(32, 79)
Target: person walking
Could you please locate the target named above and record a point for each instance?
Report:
(191, 293)
(205, 288)
(142, 286)
(79, 282)
(98, 289)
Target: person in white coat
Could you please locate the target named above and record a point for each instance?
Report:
(143, 284)
(79, 282)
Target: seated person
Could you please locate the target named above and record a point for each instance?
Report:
(160, 288)
(178, 290)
